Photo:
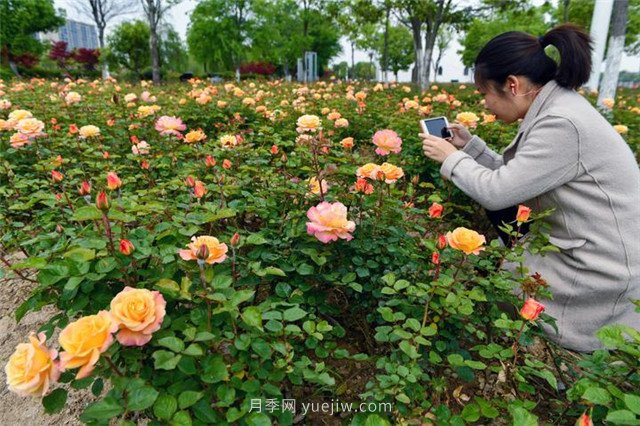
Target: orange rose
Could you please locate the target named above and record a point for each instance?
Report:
(84, 340)
(139, 313)
(531, 309)
(31, 368)
(391, 173)
(466, 240)
(217, 251)
(435, 211)
(523, 213)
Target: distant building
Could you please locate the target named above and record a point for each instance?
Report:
(76, 34)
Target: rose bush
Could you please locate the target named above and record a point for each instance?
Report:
(257, 248)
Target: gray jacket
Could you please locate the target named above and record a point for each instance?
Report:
(568, 157)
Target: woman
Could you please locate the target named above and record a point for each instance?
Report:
(566, 156)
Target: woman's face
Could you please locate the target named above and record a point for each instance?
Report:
(504, 106)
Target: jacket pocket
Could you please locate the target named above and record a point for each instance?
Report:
(566, 243)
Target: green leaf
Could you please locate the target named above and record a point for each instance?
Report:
(117, 215)
(221, 281)
(193, 350)
(141, 398)
(54, 402)
(486, 408)
(252, 316)
(168, 287)
(476, 365)
(204, 336)
(188, 398)
(165, 406)
(241, 296)
(622, 417)
(522, 417)
(471, 412)
(409, 349)
(214, 369)
(456, 360)
(271, 270)
(105, 265)
(597, 395)
(412, 323)
(86, 213)
(294, 314)
(632, 402)
(258, 419)
(171, 342)
(52, 274)
(305, 269)
(80, 254)
(165, 360)
(256, 239)
(181, 418)
(102, 410)
(403, 398)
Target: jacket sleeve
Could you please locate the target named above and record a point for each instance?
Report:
(546, 159)
(479, 151)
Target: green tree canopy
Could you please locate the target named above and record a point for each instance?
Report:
(129, 46)
(400, 49)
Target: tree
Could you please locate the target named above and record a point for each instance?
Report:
(102, 12)
(60, 55)
(19, 21)
(615, 47)
(442, 41)
(154, 10)
(400, 49)
(173, 52)
(129, 46)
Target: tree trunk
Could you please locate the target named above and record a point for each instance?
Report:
(609, 81)
(105, 66)
(238, 74)
(155, 56)
(385, 50)
(353, 52)
(416, 31)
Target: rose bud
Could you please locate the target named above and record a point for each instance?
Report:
(523, 213)
(134, 139)
(199, 189)
(59, 229)
(102, 201)
(584, 420)
(126, 247)
(85, 188)
(190, 181)
(226, 164)
(105, 155)
(145, 164)
(531, 309)
(442, 241)
(274, 149)
(284, 157)
(203, 252)
(209, 161)
(435, 258)
(73, 129)
(435, 211)
(56, 176)
(235, 239)
(113, 181)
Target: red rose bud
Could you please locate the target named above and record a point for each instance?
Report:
(58, 196)
(531, 309)
(190, 181)
(102, 201)
(199, 189)
(435, 210)
(73, 129)
(584, 420)
(203, 252)
(523, 213)
(145, 164)
(126, 247)
(56, 176)
(435, 258)
(235, 240)
(85, 188)
(274, 149)
(442, 241)
(134, 140)
(226, 164)
(105, 155)
(210, 161)
(113, 181)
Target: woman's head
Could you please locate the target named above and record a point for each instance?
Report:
(515, 63)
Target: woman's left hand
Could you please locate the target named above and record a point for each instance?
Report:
(436, 148)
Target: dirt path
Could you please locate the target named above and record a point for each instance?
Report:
(16, 410)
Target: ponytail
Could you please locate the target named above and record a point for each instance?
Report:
(518, 53)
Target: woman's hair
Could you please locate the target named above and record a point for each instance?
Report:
(518, 53)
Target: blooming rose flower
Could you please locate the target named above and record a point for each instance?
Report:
(308, 123)
(72, 98)
(391, 173)
(170, 125)
(466, 240)
(334, 115)
(30, 127)
(142, 148)
(229, 141)
(435, 210)
(523, 213)
(329, 222)
(488, 118)
(18, 140)
(84, 340)
(139, 313)
(363, 186)
(147, 110)
(19, 114)
(217, 251)
(5, 104)
(441, 97)
(608, 102)
(531, 309)
(467, 119)
(620, 128)
(89, 131)
(113, 181)
(130, 97)
(147, 97)
(411, 104)
(341, 122)
(314, 186)
(370, 171)
(248, 102)
(347, 143)
(387, 141)
(221, 104)
(31, 369)
(195, 136)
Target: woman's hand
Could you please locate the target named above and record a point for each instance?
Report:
(436, 148)
(460, 135)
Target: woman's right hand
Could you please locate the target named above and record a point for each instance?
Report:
(460, 135)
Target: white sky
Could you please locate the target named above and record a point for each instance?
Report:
(178, 17)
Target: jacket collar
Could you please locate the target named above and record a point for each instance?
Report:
(548, 91)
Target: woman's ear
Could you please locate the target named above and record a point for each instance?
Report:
(513, 84)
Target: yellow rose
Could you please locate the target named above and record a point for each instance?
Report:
(84, 340)
(308, 123)
(228, 141)
(221, 104)
(195, 136)
(391, 173)
(30, 126)
(89, 131)
(19, 114)
(467, 119)
(139, 313)
(466, 240)
(31, 368)
(369, 170)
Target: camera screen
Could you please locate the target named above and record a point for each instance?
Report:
(437, 127)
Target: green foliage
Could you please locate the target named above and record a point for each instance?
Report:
(129, 46)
